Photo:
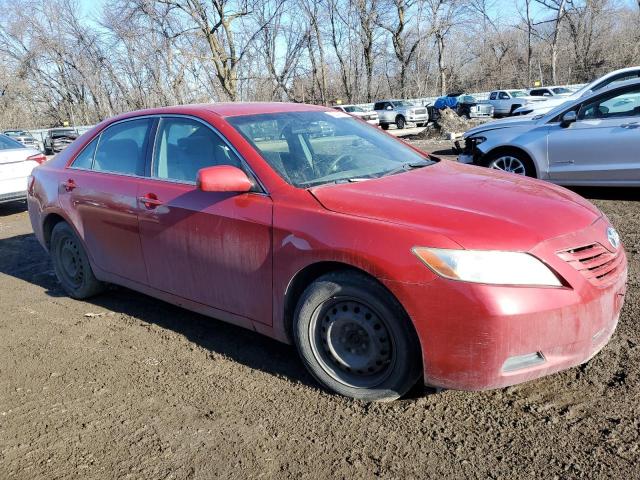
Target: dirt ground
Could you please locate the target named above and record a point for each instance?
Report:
(126, 386)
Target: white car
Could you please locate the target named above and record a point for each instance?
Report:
(594, 140)
(550, 92)
(370, 117)
(505, 102)
(598, 84)
(16, 163)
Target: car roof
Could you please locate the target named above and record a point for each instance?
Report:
(612, 86)
(229, 109)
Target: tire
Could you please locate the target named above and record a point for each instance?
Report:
(344, 311)
(400, 122)
(384, 126)
(513, 108)
(513, 161)
(47, 151)
(71, 264)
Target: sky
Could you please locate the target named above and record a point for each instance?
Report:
(505, 10)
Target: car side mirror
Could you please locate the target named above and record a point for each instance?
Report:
(389, 107)
(223, 178)
(568, 118)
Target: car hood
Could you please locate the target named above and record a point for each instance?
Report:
(509, 122)
(475, 207)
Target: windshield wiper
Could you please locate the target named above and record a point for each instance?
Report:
(406, 167)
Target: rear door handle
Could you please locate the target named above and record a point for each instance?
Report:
(150, 200)
(630, 125)
(69, 185)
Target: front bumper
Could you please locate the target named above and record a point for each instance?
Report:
(423, 118)
(468, 331)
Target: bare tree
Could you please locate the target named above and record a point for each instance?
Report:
(559, 9)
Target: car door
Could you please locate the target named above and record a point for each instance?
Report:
(503, 104)
(214, 248)
(99, 191)
(603, 144)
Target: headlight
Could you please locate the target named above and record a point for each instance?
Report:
(477, 140)
(488, 266)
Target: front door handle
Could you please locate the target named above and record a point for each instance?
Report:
(150, 200)
(69, 185)
(630, 125)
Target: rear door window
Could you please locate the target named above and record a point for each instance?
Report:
(492, 96)
(122, 148)
(85, 158)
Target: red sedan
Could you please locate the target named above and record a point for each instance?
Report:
(382, 264)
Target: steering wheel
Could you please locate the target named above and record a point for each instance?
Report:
(337, 163)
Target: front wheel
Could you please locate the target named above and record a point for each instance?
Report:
(512, 162)
(356, 339)
(71, 264)
(384, 126)
(400, 123)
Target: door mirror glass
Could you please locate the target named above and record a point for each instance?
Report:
(223, 178)
(389, 107)
(568, 118)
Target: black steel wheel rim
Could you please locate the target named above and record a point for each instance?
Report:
(352, 342)
(71, 265)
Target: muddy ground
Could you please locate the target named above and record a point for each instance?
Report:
(126, 386)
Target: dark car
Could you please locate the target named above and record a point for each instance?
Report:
(464, 105)
(58, 139)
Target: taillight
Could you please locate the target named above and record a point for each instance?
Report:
(38, 157)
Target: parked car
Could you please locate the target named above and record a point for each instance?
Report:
(464, 105)
(598, 84)
(58, 139)
(370, 117)
(383, 265)
(505, 102)
(24, 137)
(550, 92)
(594, 140)
(400, 112)
(16, 163)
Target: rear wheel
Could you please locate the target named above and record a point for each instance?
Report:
(400, 122)
(384, 126)
(355, 338)
(71, 264)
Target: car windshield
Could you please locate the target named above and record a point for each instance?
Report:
(518, 93)
(402, 103)
(62, 133)
(560, 90)
(314, 148)
(7, 143)
(467, 99)
(353, 108)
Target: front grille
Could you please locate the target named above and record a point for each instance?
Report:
(593, 261)
(420, 111)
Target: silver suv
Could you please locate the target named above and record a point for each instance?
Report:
(400, 112)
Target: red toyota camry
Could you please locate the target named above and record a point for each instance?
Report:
(382, 264)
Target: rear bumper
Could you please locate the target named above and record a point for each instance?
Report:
(13, 196)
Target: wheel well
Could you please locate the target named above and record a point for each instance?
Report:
(306, 277)
(50, 221)
(505, 150)
(399, 116)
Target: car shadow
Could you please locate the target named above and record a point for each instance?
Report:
(22, 257)
(608, 193)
